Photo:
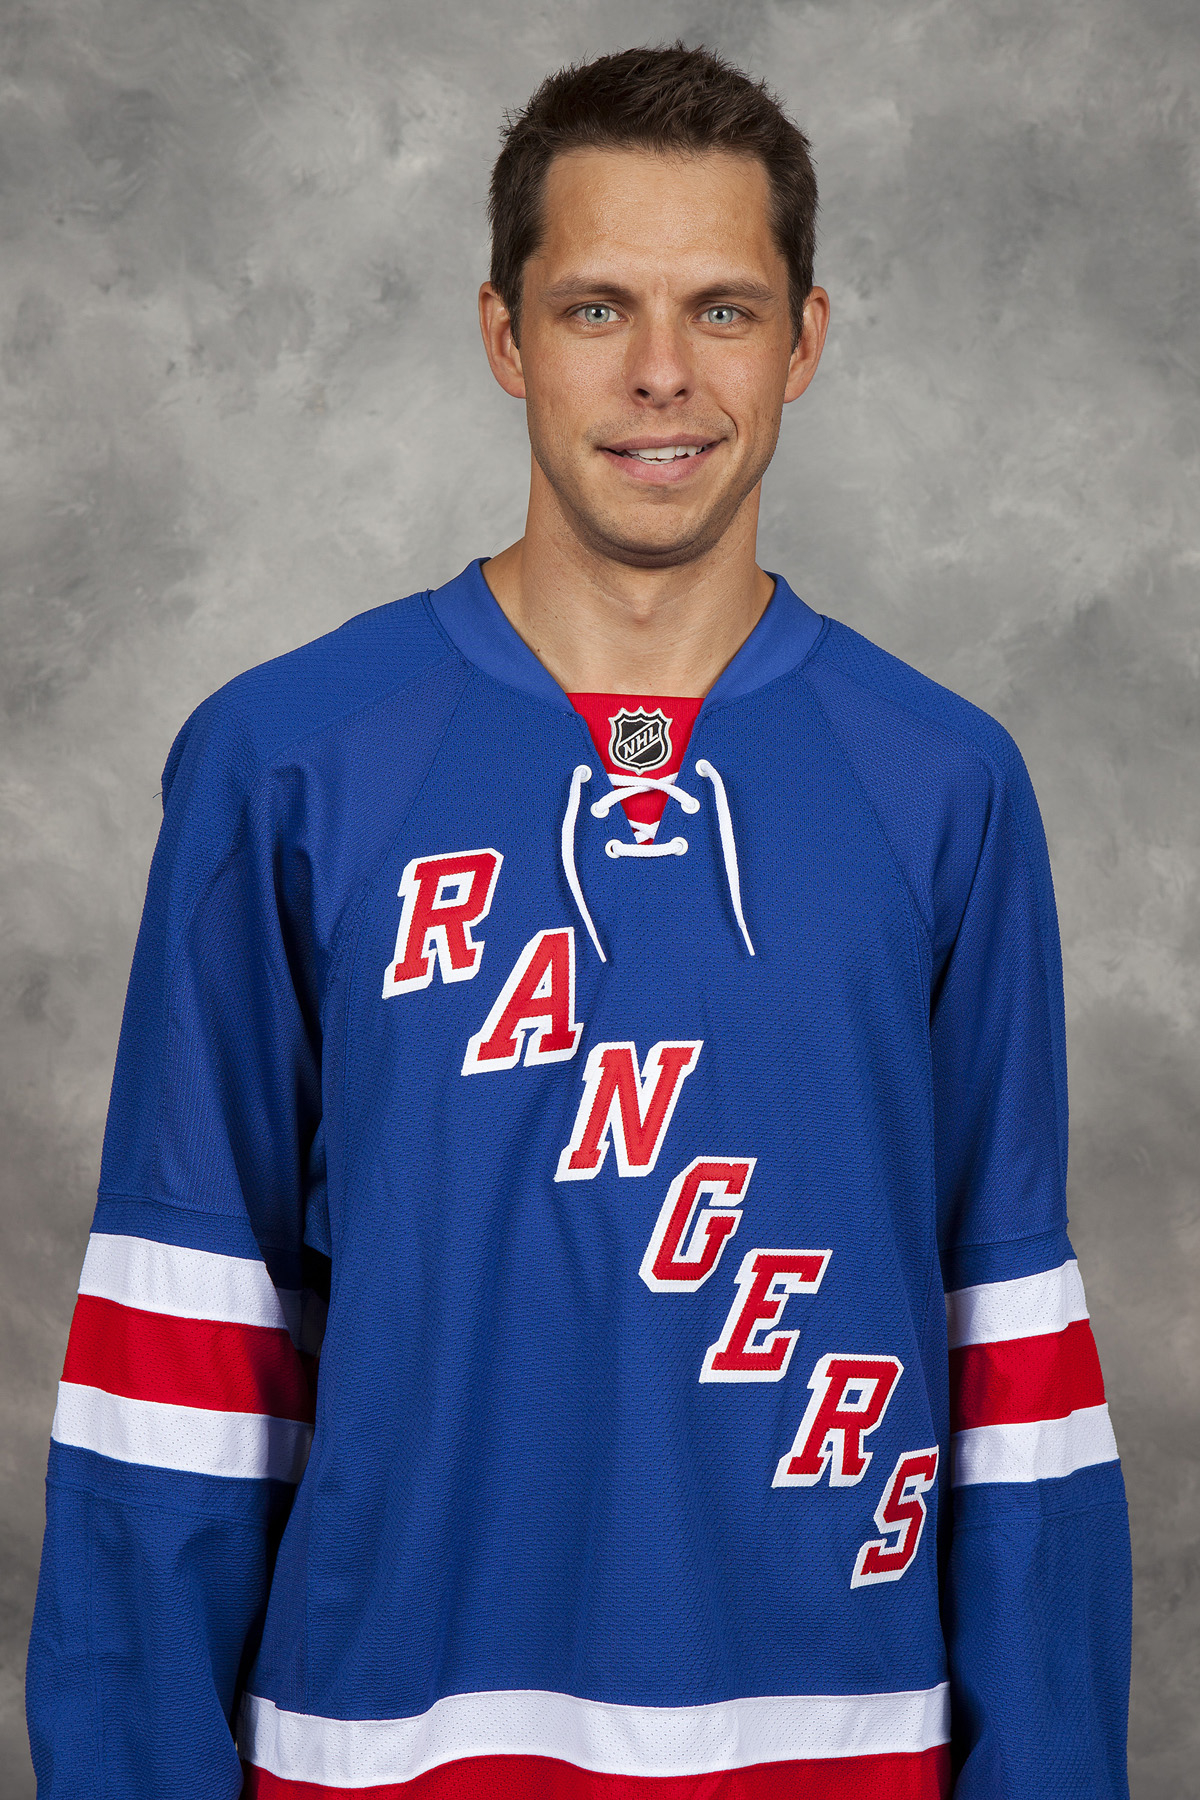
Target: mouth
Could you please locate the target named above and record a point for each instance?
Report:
(658, 460)
(668, 453)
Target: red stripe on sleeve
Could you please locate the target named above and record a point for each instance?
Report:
(923, 1775)
(186, 1362)
(1021, 1380)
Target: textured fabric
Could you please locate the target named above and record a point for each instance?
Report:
(423, 1427)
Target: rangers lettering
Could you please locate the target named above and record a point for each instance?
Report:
(535, 1009)
(900, 1515)
(849, 1398)
(634, 1110)
(670, 1268)
(443, 897)
(765, 1280)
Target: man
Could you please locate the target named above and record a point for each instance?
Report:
(641, 998)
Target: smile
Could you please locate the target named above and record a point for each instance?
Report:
(668, 454)
(647, 461)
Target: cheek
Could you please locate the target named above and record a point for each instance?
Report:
(569, 386)
(746, 385)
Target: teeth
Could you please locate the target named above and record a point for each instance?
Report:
(666, 455)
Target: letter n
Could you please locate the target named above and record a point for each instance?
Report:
(535, 1009)
(634, 1110)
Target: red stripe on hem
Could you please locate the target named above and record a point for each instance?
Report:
(1023, 1380)
(923, 1775)
(186, 1362)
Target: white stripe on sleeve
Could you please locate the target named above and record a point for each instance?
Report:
(247, 1445)
(1043, 1451)
(188, 1284)
(1031, 1306)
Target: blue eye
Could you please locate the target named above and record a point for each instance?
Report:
(720, 315)
(598, 313)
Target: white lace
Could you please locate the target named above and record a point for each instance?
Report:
(728, 845)
(580, 774)
(624, 787)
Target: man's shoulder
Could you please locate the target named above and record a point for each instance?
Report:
(874, 696)
(936, 769)
(332, 679)
(294, 703)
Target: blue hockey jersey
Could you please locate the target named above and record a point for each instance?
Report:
(571, 1317)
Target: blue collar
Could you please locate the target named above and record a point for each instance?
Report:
(470, 616)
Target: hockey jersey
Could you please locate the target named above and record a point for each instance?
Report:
(577, 1314)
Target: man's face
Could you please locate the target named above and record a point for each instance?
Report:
(655, 319)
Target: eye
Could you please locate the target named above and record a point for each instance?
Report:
(720, 315)
(597, 313)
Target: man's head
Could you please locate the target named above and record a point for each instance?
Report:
(668, 101)
(653, 218)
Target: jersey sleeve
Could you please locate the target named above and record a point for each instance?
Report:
(1037, 1595)
(185, 1409)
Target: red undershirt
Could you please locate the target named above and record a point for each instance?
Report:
(639, 734)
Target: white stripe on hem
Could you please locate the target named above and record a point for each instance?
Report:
(1031, 1306)
(1043, 1451)
(248, 1446)
(590, 1734)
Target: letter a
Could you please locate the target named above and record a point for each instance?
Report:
(634, 1110)
(535, 1009)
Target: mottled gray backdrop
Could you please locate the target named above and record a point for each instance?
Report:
(243, 398)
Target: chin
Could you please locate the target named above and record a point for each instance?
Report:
(659, 529)
(659, 540)
(624, 542)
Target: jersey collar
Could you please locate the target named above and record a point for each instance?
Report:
(469, 615)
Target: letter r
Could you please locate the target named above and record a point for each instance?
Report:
(849, 1398)
(443, 897)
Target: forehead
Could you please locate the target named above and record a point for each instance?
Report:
(628, 210)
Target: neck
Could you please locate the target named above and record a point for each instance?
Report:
(600, 625)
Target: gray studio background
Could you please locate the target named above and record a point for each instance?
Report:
(243, 398)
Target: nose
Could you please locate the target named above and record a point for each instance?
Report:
(658, 370)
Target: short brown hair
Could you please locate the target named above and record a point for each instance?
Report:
(669, 99)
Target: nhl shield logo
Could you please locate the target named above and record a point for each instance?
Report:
(640, 740)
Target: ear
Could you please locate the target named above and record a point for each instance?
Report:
(495, 322)
(809, 345)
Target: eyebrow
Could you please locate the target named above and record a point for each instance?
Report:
(581, 287)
